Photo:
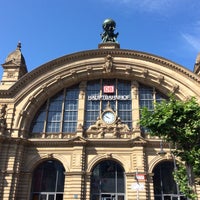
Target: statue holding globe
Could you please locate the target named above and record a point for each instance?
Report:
(108, 35)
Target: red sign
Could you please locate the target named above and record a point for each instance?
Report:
(108, 89)
(140, 176)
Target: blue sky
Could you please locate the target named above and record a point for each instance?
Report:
(49, 29)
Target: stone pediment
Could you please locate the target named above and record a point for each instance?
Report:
(78, 139)
(139, 140)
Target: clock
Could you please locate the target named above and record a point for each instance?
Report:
(108, 117)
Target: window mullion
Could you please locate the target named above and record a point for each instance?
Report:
(101, 93)
(116, 90)
(46, 117)
(62, 111)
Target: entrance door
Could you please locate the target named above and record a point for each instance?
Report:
(165, 188)
(112, 197)
(107, 181)
(48, 181)
(48, 196)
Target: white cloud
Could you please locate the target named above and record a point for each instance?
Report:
(146, 5)
(193, 37)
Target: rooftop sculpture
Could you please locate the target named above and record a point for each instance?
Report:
(108, 35)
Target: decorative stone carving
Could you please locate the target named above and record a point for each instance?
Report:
(33, 99)
(145, 72)
(2, 118)
(73, 73)
(44, 88)
(175, 88)
(103, 130)
(89, 70)
(160, 79)
(108, 64)
(128, 70)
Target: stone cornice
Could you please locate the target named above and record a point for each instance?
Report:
(11, 140)
(79, 141)
(98, 53)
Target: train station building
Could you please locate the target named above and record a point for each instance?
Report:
(69, 128)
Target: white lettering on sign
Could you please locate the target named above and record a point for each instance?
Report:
(137, 187)
(108, 89)
(108, 97)
(140, 176)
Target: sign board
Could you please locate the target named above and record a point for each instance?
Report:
(108, 89)
(137, 186)
(140, 176)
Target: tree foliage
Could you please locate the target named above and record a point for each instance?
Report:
(178, 122)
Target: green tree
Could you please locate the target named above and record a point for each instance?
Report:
(178, 122)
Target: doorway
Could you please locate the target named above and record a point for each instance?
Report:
(107, 181)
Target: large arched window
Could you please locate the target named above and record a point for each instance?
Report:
(48, 181)
(59, 113)
(108, 181)
(148, 96)
(117, 92)
(165, 188)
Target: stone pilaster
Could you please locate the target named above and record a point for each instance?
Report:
(87, 185)
(24, 186)
(150, 186)
(74, 183)
(135, 108)
(75, 179)
(11, 161)
(81, 110)
(139, 186)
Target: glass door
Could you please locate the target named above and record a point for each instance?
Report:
(107, 181)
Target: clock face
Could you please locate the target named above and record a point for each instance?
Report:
(108, 117)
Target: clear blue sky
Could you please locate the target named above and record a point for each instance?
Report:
(49, 29)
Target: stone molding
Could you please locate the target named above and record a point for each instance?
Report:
(91, 54)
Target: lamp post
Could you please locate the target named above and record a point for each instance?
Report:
(136, 177)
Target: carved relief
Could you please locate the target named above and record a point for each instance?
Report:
(73, 73)
(89, 70)
(2, 118)
(108, 64)
(128, 70)
(145, 73)
(108, 125)
(175, 88)
(76, 160)
(160, 79)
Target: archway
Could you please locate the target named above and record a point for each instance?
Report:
(108, 181)
(165, 188)
(48, 181)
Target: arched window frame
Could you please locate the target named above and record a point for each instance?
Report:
(48, 181)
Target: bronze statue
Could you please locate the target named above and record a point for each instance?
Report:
(108, 35)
